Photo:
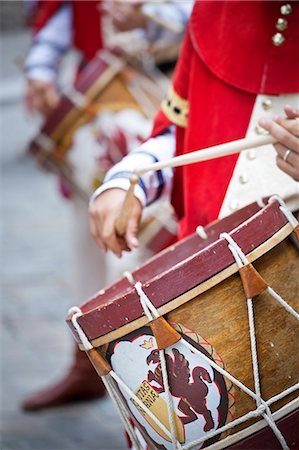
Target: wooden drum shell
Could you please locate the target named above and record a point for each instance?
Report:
(214, 305)
(213, 315)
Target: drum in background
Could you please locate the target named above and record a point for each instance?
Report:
(106, 114)
(107, 83)
(223, 367)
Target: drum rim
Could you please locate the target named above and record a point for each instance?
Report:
(97, 322)
(286, 410)
(89, 76)
(94, 78)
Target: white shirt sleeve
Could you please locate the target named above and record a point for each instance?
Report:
(152, 185)
(49, 46)
(175, 12)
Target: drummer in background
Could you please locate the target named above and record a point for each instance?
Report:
(236, 72)
(58, 27)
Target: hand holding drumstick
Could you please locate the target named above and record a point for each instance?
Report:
(105, 209)
(104, 213)
(286, 131)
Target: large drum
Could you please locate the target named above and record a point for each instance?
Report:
(200, 344)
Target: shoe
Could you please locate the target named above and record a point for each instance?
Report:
(79, 384)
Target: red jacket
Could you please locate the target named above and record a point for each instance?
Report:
(86, 22)
(228, 57)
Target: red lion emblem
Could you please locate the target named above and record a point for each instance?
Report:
(193, 395)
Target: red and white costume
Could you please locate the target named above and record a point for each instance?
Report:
(238, 63)
(59, 26)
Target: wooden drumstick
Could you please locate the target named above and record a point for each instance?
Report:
(206, 154)
(122, 220)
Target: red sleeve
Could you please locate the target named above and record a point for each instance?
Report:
(180, 84)
(161, 123)
(43, 13)
(87, 18)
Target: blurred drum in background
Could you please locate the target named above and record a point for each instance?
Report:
(103, 117)
(192, 359)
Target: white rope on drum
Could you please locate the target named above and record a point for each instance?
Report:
(133, 396)
(260, 202)
(250, 415)
(282, 302)
(262, 407)
(201, 232)
(122, 411)
(108, 383)
(241, 259)
(284, 209)
(145, 300)
(44, 141)
(254, 351)
(128, 275)
(151, 312)
(259, 411)
(170, 404)
(87, 345)
(283, 394)
(76, 97)
(76, 312)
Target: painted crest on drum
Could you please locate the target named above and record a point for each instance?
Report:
(202, 399)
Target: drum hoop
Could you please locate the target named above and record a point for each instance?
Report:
(60, 120)
(87, 88)
(257, 426)
(114, 314)
(261, 250)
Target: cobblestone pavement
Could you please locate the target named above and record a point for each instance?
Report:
(36, 290)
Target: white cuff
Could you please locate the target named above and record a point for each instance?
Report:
(155, 184)
(49, 46)
(120, 183)
(45, 74)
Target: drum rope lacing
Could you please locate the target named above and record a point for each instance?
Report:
(152, 313)
(262, 406)
(201, 232)
(241, 261)
(45, 142)
(284, 209)
(260, 202)
(76, 312)
(76, 97)
(127, 274)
